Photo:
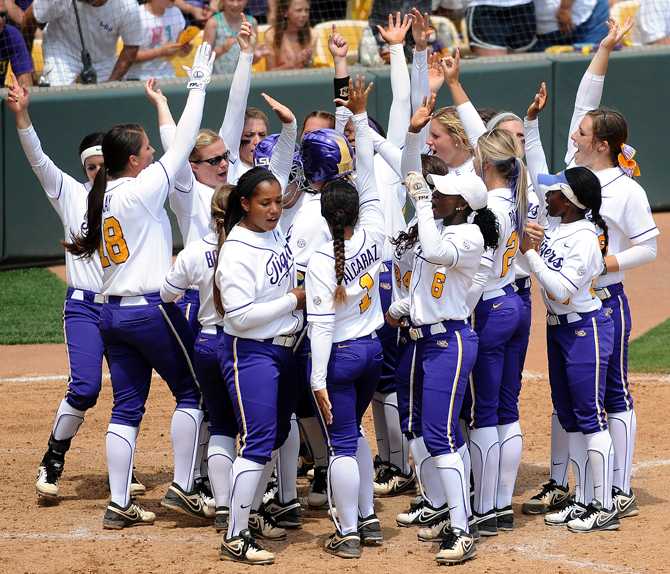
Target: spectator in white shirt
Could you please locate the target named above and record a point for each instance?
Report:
(653, 21)
(564, 22)
(102, 22)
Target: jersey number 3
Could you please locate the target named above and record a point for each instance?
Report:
(113, 246)
(367, 282)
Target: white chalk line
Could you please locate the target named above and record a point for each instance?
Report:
(87, 535)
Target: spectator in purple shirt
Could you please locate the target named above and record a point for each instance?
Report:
(13, 51)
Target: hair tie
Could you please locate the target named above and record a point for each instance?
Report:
(626, 161)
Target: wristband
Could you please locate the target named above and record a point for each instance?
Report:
(341, 88)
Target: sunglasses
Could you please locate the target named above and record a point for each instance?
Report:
(3, 13)
(216, 160)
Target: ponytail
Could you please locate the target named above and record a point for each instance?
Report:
(487, 222)
(219, 209)
(600, 222)
(519, 185)
(338, 249)
(87, 243)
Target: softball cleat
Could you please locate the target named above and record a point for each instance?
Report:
(370, 531)
(244, 548)
(565, 514)
(189, 503)
(626, 504)
(117, 518)
(456, 547)
(552, 496)
(344, 545)
(262, 525)
(390, 481)
(595, 519)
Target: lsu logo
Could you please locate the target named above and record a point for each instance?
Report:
(262, 161)
(442, 343)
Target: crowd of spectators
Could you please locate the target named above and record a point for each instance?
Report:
(104, 40)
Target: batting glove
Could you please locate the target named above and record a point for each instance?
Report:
(417, 187)
(201, 73)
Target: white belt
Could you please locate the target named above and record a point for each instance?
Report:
(209, 330)
(416, 333)
(282, 340)
(132, 300)
(492, 294)
(603, 293)
(569, 317)
(78, 295)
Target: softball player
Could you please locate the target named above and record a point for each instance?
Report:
(579, 338)
(446, 260)
(491, 405)
(344, 313)
(598, 141)
(195, 265)
(129, 227)
(257, 281)
(81, 311)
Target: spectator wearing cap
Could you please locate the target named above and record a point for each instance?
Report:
(102, 23)
(13, 51)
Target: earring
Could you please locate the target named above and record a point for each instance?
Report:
(460, 209)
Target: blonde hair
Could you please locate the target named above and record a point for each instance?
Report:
(449, 120)
(205, 137)
(501, 150)
(219, 206)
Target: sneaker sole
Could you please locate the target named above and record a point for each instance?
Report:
(289, 524)
(137, 489)
(605, 528)
(177, 507)
(120, 525)
(225, 556)
(372, 541)
(629, 513)
(488, 532)
(453, 561)
(342, 555)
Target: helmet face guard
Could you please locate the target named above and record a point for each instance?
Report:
(263, 157)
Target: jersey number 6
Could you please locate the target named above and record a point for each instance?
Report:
(113, 243)
(367, 282)
(438, 285)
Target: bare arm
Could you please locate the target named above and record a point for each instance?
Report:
(123, 62)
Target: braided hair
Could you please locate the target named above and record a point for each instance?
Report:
(586, 186)
(339, 207)
(407, 239)
(219, 207)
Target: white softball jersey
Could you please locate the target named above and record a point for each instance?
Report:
(257, 269)
(136, 248)
(69, 198)
(567, 265)
(193, 208)
(308, 232)
(501, 202)
(626, 210)
(195, 266)
(439, 286)
(402, 277)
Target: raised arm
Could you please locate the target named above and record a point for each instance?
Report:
(411, 153)
(535, 157)
(389, 152)
(339, 48)
(233, 121)
(281, 160)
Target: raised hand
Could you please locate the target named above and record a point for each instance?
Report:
(417, 187)
(337, 44)
(153, 92)
(201, 73)
(423, 114)
(615, 33)
(284, 114)
(358, 96)
(18, 98)
(435, 72)
(397, 28)
(538, 103)
(420, 25)
(246, 38)
(451, 67)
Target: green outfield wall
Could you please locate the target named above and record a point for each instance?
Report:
(638, 84)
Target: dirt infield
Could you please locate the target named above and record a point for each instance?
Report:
(69, 537)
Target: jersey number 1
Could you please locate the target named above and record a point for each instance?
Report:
(113, 246)
(367, 282)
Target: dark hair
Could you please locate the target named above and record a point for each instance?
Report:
(118, 144)
(91, 140)
(487, 222)
(245, 188)
(487, 114)
(407, 239)
(609, 126)
(252, 113)
(281, 24)
(219, 206)
(339, 207)
(586, 186)
(322, 115)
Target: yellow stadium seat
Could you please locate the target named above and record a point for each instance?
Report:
(352, 30)
(622, 11)
(359, 9)
(262, 64)
(37, 56)
(179, 61)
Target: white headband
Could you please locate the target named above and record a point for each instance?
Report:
(567, 191)
(500, 118)
(89, 152)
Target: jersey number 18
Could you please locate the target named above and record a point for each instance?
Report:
(113, 247)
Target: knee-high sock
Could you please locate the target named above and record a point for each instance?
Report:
(601, 459)
(287, 464)
(315, 441)
(220, 457)
(265, 478)
(485, 457)
(200, 467)
(120, 441)
(427, 474)
(623, 428)
(67, 421)
(185, 430)
(578, 457)
(467, 469)
(398, 447)
(511, 443)
(452, 474)
(245, 478)
(379, 419)
(343, 486)
(366, 474)
(559, 452)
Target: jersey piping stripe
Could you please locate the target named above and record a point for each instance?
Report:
(454, 386)
(597, 374)
(472, 382)
(240, 404)
(624, 374)
(175, 286)
(412, 374)
(641, 234)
